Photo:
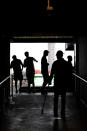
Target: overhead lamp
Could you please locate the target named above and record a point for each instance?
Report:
(49, 7)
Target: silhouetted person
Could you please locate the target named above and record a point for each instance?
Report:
(44, 70)
(59, 72)
(30, 71)
(17, 66)
(70, 71)
(55, 125)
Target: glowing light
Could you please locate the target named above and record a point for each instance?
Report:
(49, 7)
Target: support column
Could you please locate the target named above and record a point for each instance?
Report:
(51, 48)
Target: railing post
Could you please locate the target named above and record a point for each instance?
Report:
(11, 98)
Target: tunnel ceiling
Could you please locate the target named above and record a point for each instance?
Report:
(32, 18)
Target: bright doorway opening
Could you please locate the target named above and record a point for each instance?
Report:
(36, 50)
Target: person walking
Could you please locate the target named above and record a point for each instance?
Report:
(30, 70)
(70, 76)
(44, 70)
(17, 66)
(59, 72)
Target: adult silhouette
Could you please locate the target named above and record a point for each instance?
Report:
(30, 70)
(17, 66)
(59, 72)
(70, 76)
(44, 70)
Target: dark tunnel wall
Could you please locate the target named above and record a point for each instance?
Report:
(82, 45)
(4, 71)
(83, 57)
(4, 57)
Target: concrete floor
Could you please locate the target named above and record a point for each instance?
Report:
(25, 114)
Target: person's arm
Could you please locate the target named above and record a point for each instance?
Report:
(24, 64)
(21, 64)
(35, 60)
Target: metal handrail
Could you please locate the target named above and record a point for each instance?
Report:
(5, 80)
(41, 76)
(80, 77)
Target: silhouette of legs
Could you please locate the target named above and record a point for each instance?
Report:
(30, 79)
(33, 87)
(45, 82)
(16, 81)
(56, 99)
(29, 88)
(63, 105)
(56, 125)
(16, 85)
(28, 85)
(20, 85)
(56, 104)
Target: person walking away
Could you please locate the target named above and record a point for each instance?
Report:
(59, 72)
(30, 70)
(17, 66)
(44, 70)
(70, 76)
